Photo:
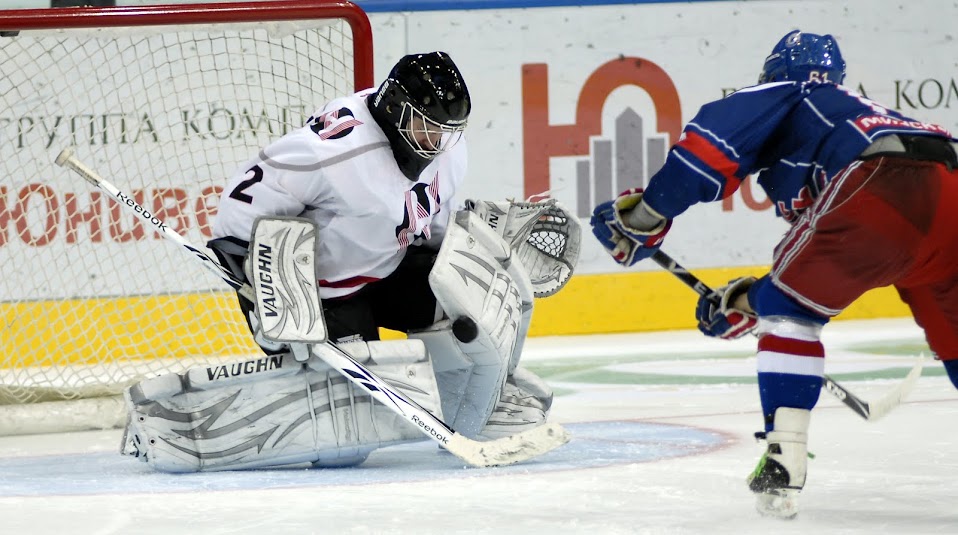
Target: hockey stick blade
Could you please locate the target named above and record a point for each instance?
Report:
(869, 411)
(877, 409)
(509, 450)
(503, 451)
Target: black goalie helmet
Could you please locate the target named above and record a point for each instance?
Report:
(422, 106)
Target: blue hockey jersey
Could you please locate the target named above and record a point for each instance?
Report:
(797, 136)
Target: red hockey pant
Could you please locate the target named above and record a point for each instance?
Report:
(886, 221)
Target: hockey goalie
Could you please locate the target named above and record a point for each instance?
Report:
(345, 226)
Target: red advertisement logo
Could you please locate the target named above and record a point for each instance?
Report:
(626, 158)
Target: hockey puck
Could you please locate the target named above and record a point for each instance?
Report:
(465, 330)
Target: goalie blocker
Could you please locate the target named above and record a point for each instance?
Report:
(282, 269)
(278, 410)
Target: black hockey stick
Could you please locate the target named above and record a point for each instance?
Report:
(507, 450)
(868, 410)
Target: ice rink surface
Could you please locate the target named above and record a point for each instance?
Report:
(663, 429)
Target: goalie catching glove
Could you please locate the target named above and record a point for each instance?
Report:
(544, 235)
(628, 229)
(725, 312)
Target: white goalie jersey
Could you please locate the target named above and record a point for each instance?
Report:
(339, 171)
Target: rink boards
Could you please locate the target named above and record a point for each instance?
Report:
(590, 304)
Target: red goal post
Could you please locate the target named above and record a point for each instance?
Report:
(205, 14)
(165, 101)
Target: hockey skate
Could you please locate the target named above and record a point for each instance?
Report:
(523, 404)
(780, 474)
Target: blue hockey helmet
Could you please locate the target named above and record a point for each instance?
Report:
(804, 57)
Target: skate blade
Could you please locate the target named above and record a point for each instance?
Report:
(782, 503)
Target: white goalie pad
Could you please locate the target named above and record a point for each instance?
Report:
(544, 235)
(275, 411)
(488, 300)
(282, 269)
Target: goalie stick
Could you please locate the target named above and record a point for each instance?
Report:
(508, 450)
(868, 410)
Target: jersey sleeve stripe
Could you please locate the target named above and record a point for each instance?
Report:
(338, 127)
(714, 158)
(315, 166)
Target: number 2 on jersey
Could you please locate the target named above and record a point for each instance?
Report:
(237, 192)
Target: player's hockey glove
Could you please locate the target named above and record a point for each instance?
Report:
(719, 315)
(614, 224)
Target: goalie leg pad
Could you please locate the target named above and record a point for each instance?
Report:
(476, 284)
(274, 411)
(468, 377)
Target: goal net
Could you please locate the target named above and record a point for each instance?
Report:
(165, 102)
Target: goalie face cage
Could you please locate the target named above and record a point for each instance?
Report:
(166, 101)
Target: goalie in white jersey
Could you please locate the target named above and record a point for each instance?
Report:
(379, 173)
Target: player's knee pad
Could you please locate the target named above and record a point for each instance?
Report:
(274, 411)
(476, 401)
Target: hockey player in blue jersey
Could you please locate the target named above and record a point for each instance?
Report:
(871, 197)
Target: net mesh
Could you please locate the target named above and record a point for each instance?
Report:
(90, 299)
